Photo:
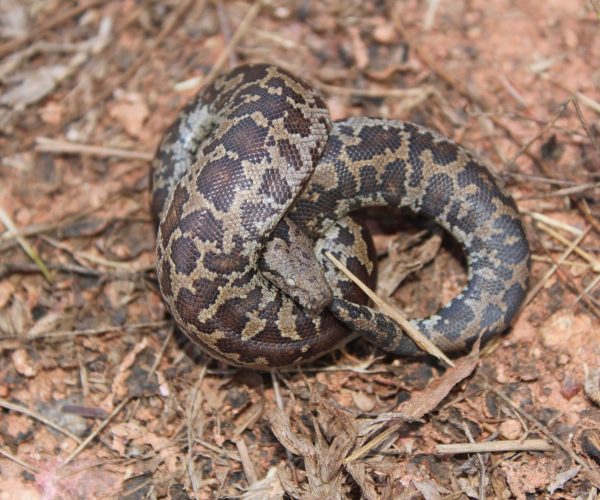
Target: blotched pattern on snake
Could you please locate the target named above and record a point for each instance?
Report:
(253, 183)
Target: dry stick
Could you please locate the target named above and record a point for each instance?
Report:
(576, 97)
(33, 414)
(568, 281)
(25, 465)
(592, 303)
(13, 45)
(221, 451)
(230, 47)
(542, 179)
(567, 278)
(422, 341)
(8, 269)
(594, 477)
(89, 439)
(424, 401)
(90, 331)
(34, 229)
(47, 145)
(582, 253)
(548, 126)
(481, 463)
(548, 260)
(582, 204)
(246, 461)
(585, 127)
(31, 253)
(161, 353)
(549, 221)
(564, 192)
(588, 288)
(534, 291)
(494, 447)
(587, 214)
(95, 259)
(420, 93)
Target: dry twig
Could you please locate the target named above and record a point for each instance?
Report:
(494, 447)
(422, 341)
(38, 416)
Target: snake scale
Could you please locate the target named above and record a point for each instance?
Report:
(253, 183)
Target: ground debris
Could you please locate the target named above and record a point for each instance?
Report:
(101, 397)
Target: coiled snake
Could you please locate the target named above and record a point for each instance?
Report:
(252, 183)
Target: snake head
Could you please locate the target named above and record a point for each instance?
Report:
(289, 262)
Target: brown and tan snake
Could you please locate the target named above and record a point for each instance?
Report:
(253, 183)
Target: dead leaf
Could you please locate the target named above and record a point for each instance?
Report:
(335, 434)
(131, 112)
(562, 478)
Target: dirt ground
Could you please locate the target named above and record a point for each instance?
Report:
(101, 398)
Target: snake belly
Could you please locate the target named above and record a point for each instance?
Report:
(255, 150)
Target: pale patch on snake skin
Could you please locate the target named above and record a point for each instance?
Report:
(263, 148)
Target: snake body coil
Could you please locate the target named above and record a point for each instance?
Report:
(253, 173)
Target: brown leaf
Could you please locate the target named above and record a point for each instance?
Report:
(340, 429)
(364, 480)
(424, 401)
(280, 425)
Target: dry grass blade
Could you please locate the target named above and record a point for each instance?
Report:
(582, 253)
(494, 447)
(33, 414)
(90, 331)
(96, 259)
(16, 460)
(552, 222)
(539, 285)
(559, 112)
(93, 434)
(590, 186)
(47, 145)
(588, 288)
(246, 460)
(31, 253)
(417, 94)
(422, 341)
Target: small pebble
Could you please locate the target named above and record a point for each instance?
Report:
(510, 429)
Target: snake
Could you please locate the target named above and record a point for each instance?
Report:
(253, 185)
